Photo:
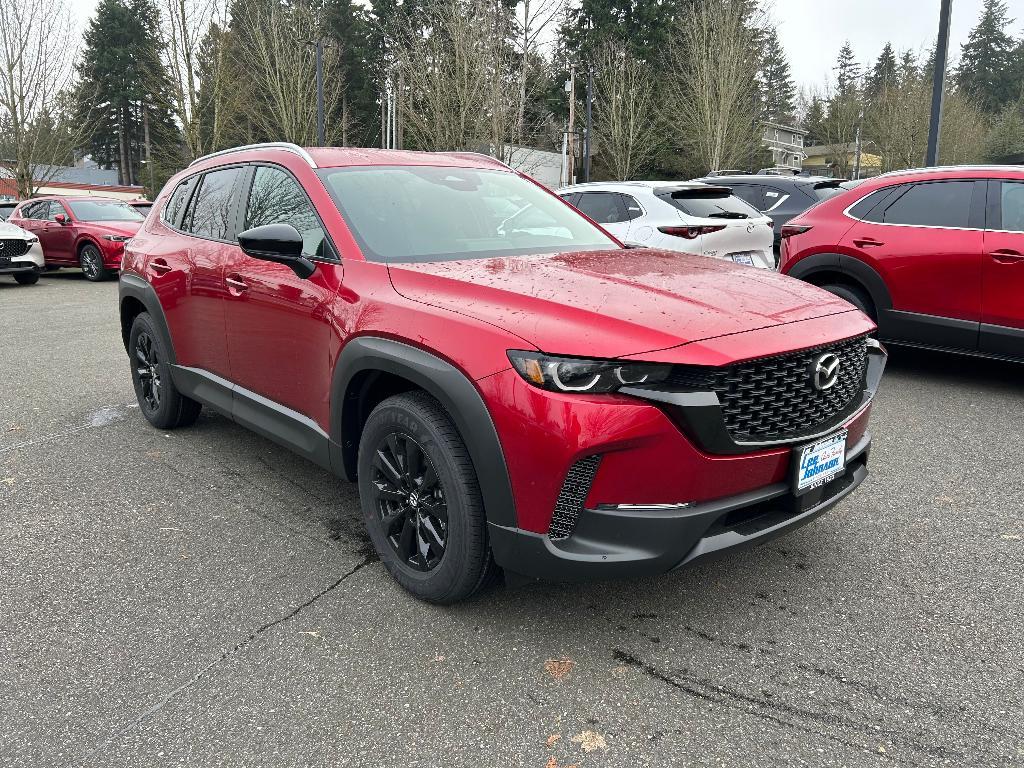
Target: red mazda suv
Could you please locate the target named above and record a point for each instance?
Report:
(510, 386)
(86, 232)
(935, 256)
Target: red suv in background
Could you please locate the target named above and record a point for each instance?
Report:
(935, 256)
(86, 232)
(509, 385)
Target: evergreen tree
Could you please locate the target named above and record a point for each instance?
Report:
(778, 94)
(347, 25)
(847, 71)
(814, 121)
(642, 27)
(988, 69)
(882, 74)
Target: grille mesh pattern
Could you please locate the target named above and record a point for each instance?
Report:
(774, 398)
(10, 248)
(571, 497)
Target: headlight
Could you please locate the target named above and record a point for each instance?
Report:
(117, 238)
(569, 374)
(31, 240)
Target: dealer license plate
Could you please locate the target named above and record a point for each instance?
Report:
(820, 462)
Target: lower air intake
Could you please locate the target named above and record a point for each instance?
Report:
(572, 496)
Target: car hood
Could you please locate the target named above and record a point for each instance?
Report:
(612, 303)
(13, 231)
(127, 228)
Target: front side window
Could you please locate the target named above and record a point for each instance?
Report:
(275, 198)
(1011, 196)
(933, 204)
(98, 210)
(430, 213)
(212, 211)
(54, 210)
(603, 207)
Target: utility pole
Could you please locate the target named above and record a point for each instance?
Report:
(319, 44)
(859, 146)
(570, 87)
(590, 124)
(938, 84)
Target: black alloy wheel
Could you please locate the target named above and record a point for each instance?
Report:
(410, 502)
(147, 365)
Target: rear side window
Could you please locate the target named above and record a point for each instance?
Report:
(172, 211)
(213, 206)
(633, 209)
(275, 198)
(754, 195)
(872, 207)
(934, 204)
(710, 204)
(36, 210)
(1011, 198)
(603, 207)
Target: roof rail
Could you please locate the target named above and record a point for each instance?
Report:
(283, 145)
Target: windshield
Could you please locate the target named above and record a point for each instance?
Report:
(713, 203)
(413, 213)
(103, 210)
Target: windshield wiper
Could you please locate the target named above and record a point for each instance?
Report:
(728, 215)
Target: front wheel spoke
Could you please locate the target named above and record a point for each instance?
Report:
(387, 468)
(433, 537)
(436, 508)
(387, 491)
(144, 373)
(392, 522)
(406, 540)
(401, 460)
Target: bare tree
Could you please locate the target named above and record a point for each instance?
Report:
(625, 123)
(711, 109)
(37, 51)
(537, 16)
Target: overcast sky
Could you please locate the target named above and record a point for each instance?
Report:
(813, 30)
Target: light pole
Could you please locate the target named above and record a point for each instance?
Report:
(319, 44)
(590, 124)
(938, 84)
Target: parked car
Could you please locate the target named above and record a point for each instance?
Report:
(510, 390)
(936, 256)
(781, 197)
(20, 254)
(142, 206)
(6, 209)
(86, 232)
(690, 217)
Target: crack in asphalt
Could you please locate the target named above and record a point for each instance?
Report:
(102, 417)
(170, 696)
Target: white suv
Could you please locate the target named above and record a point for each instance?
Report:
(692, 217)
(20, 254)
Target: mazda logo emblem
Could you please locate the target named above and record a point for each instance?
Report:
(826, 371)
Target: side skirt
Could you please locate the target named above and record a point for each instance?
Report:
(263, 416)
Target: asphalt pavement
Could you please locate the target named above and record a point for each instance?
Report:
(205, 598)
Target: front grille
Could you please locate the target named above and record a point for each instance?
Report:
(774, 398)
(572, 497)
(11, 247)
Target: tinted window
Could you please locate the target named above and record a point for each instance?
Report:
(172, 211)
(99, 210)
(1011, 197)
(603, 207)
(35, 210)
(54, 209)
(633, 209)
(872, 207)
(751, 193)
(430, 213)
(275, 198)
(213, 206)
(773, 198)
(710, 204)
(936, 204)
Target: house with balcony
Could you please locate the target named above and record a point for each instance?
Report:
(785, 145)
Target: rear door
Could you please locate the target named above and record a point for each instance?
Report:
(1002, 301)
(608, 210)
(926, 240)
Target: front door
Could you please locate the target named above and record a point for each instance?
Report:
(1002, 311)
(56, 239)
(279, 324)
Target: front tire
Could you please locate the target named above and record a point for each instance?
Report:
(91, 261)
(855, 296)
(27, 278)
(160, 401)
(421, 500)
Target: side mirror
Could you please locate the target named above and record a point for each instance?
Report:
(280, 243)
(61, 219)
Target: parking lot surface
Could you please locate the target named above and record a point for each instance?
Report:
(203, 598)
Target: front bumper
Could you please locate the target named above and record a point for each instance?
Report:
(32, 260)
(610, 544)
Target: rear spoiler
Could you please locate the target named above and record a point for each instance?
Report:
(678, 193)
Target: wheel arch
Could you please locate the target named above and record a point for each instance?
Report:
(84, 240)
(136, 296)
(371, 368)
(823, 268)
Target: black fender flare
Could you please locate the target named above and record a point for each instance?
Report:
(855, 269)
(443, 381)
(132, 286)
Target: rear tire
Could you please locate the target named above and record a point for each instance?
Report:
(91, 261)
(421, 500)
(160, 401)
(27, 278)
(855, 296)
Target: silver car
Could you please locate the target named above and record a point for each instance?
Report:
(20, 254)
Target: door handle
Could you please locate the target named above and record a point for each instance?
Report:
(1007, 256)
(866, 242)
(236, 285)
(159, 267)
